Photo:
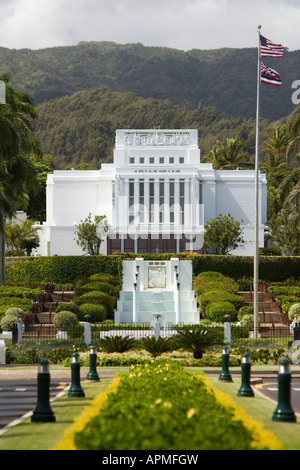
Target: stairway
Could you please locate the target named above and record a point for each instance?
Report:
(160, 302)
(268, 310)
(46, 315)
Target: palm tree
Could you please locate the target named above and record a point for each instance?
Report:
(20, 237)
(231, 157)
(16, 141)
(275, 166)
(198, 339)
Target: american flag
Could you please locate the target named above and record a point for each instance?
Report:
(269, 49)
(269, 76)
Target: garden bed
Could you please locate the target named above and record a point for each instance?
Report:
(161, 406)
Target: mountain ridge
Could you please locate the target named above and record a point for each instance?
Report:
(224, 78)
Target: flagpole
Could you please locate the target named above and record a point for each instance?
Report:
(256, 222)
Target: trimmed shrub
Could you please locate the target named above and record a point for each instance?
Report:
(162, 406)
(97, 286)
(68, 307)
(211, 274)
(245, 310)
(17, 312)
(7, 322)
(247, 321)
(97, 297)
(218, 295)
(64, 319)
(225, 283)
(217, 311)
(97, 312)
(294, 311)
(108, 278)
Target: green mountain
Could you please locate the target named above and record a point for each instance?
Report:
(81, 128)
(223, 78)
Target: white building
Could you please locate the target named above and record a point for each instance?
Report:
(157, 195)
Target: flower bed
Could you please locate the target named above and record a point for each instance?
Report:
(161, 406)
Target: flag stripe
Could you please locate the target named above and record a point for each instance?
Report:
(269, 76)
(269, 49)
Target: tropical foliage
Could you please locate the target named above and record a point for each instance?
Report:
(223, 234)
(17, 140)
(283, 175)
(91, 232)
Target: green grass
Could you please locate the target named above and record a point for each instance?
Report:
(261, 410)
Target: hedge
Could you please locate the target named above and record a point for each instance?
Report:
(63, 269)
(160, 406)
(60, 269)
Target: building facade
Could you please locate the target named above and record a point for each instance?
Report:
(156, 195)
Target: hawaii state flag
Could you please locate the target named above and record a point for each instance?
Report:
(270, 76)
(269, 49)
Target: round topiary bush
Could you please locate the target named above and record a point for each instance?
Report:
(7, 322)
(64, 319)
(248, 321)
(218, 295)
(214, 274)
(97, 297)
(221, 312)
(294, 311)
(100, 286)
(245, 310)
(17, 312)
(104, 277)
(214, 281)
(97, 312)
(68, 307)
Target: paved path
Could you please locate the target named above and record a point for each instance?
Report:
(14, 372)
(18, 391)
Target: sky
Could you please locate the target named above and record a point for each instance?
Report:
(179, 24)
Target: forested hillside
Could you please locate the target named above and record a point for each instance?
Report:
(223, 78)
(81, 128)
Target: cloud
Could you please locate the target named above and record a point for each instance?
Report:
(185, 24)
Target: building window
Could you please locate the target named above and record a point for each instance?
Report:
(200, 193)
(142, 200)
(171, 160)
(131, 201)
(181, 201)
(161, 201)
(131, 160)
(181, 160)
(142, 160)
(151, 160)
(151, 201)
(172, 200)
(161, 160)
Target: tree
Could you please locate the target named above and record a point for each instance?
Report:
(29, 237)
(17, 140)
(36, 188)
(20, 237)
(230, 157)
(91, 233)
(222, 234)
(197, 339)
(285, 230)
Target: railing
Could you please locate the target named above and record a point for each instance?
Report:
(79, 333)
